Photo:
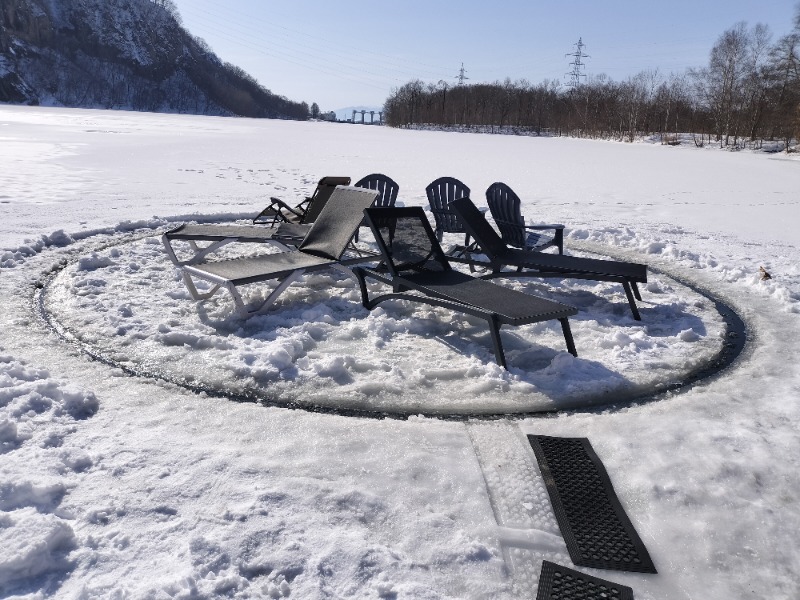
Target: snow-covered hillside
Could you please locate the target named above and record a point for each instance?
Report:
(130, 54)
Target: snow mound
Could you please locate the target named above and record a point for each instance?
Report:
(38, 414)
(33, 544)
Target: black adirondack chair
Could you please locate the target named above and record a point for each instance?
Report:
(530, 263)
(504, 205)
(441, 193)
(417, 269)
(385, 186)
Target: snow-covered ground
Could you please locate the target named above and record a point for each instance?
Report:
(113, 485)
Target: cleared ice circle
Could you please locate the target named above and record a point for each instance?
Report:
(123, 302)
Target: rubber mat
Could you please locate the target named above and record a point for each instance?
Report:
(595, 527)
(561, 583)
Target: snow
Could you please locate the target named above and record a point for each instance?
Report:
(117, 480)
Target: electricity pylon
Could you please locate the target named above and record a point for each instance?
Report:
(461, 77)
(575, 75)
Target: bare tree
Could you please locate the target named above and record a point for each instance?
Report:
(722, 79)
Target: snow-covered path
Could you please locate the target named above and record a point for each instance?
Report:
(112, 485)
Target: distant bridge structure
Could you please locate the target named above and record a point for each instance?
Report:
(363, 114)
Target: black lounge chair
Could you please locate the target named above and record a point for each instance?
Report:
(417, 269)
(530, 263)
(504, 205)
(281, 232)
(323, 247)
(307, 211)
(385, 185)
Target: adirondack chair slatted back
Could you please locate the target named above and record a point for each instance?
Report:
(406, 240)
(440, 193)
(386, 186)
(504, 205)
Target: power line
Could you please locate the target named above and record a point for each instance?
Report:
(314, 48)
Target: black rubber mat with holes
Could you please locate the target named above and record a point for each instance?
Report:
(561, 583)
(595, 527)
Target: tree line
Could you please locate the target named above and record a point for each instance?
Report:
(748, 93)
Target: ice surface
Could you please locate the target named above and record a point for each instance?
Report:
(114, 485)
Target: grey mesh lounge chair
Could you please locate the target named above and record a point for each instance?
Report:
(305, 212)
(385, 185)
(322, 248)
(540, 264)
(504, 205)
(281, 233)
(417, 270)
(219, 235)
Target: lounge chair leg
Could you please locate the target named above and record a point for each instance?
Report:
(346, 270)
(187, 280)
(568, 336)
(170, 252)
(499, 355)
(631, 301)
(636, 293)
(270, 300)
(199, 253)
(362, 286)
(237, 301)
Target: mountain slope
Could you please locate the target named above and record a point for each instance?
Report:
(131, 54)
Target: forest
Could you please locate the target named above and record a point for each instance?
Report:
(748, 93)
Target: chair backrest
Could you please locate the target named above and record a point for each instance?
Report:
(441, 193)
(386, 186)
(337, 223)
(504, 205)
(321, 195)
(406, 240)
(478, 227)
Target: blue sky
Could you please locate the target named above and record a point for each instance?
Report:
(344, 53)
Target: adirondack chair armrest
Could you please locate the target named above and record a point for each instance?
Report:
(545, 226)
(558, 234)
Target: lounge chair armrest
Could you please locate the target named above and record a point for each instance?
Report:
(281, 206)
(275, 212)
(304, 204)
(284, 212)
